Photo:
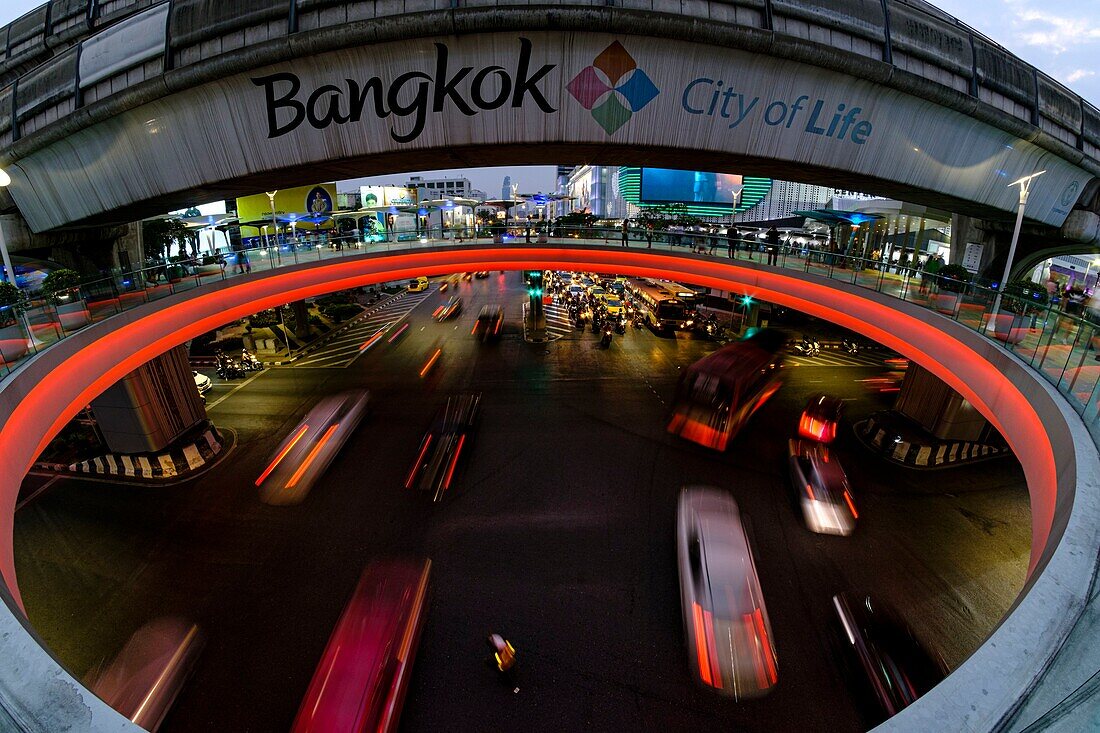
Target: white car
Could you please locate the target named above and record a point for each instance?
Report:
(202, 382)
(731, 649)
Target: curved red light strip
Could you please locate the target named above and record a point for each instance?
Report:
(73, 377)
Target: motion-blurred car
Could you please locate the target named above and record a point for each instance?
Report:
(440, 449)
(306, 453)
(728, 635)
(820, 418)
(891, 667)
(489, 322)
(202, 382)
(822, 488)
(451, 308)
(360, 683)
(614, 306)
(597, 293)
(145, 678)
(482, 274)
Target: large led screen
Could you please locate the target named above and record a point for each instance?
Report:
(668, 185)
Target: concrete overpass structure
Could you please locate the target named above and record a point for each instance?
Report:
(116, 109)
(887, 96)
(1032, 666)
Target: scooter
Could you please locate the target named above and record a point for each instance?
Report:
(605, 340)
(229, 369)
(808, 347)
(850, 346)
(249, 362)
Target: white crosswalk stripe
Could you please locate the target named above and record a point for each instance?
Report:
(557, 320)
(838, 358)
(345, 348)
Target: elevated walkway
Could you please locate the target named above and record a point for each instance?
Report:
(1036, 666)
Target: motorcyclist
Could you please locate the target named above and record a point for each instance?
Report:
(504, 654)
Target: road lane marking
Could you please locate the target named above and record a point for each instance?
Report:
(234, 390)
(31, 498)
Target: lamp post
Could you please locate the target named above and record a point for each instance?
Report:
(5, 181)
(1025, 188)
(274, 226)
(1087, 268)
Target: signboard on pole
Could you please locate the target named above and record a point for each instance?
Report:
(972, 257)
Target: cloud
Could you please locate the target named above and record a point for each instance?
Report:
(1078, 75)
(1055, 33)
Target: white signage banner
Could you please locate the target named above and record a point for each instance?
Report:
(520, 91)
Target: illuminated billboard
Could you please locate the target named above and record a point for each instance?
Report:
(387, 196)
(665, 185)
(753, 192)
(291, 204)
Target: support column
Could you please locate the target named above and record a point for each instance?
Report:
(151, 407)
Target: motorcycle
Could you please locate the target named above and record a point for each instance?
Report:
(249, 362)
(229, 369)
(808, 347)
(850, 346)
(605, 340)
(620, 326)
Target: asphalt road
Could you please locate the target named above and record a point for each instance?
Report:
(559, 534)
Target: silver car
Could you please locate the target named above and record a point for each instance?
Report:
(822, 488)
(729, 637)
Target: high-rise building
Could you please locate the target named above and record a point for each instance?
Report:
(506, 188)
(593, 189)
(784, 198)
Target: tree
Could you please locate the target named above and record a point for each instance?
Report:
(59, 282)
(11, 299)
(158, 236)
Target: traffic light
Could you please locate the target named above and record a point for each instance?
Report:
(533, 280)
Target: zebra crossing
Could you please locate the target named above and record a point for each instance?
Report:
(839, 358)
(346, 347)
(558, 323)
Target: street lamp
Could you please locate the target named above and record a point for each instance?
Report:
(1089, 267)
(274, 226)
(5, 181)
(1025, 188)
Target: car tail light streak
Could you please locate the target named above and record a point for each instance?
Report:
(282, 454)
(419, 458)
(431, 362)
(765, 648)
(851, 504)
(810, 492)
(437, 311)
(399, 332)
(701, 646)
(454, 462)
(312, 455)
(372, 340)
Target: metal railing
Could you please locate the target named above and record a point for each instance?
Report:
(1059, 340)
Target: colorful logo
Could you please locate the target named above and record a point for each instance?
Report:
(613, 88)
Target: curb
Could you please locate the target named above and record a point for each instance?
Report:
(919, 455)
(178, 461)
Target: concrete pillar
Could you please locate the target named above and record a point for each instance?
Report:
(151, 407)
(301, 319)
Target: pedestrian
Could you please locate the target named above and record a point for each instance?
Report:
(731, 241)
(649, 236)
(771, 239)
(625, 230)
(712, 235)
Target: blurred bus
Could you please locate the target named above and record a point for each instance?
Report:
(306, 453)
(146, 676)
(726, 626)
(360, 682)
(664, 308)
(720, 392)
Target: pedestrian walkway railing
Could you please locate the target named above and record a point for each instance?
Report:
(1060, 340)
